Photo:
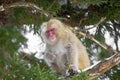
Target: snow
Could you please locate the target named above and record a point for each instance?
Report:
(35, 44)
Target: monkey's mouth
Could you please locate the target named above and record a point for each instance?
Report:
(52, 38)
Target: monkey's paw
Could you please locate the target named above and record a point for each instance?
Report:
(73, 72)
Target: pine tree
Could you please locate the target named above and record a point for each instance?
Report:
(84, 15)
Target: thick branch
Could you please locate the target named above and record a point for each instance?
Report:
(103, 66)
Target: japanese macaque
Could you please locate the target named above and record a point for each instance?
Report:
(64, 51)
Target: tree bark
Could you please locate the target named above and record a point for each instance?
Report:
(103, 66)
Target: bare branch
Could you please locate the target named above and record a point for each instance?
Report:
(79, 31)
(96, 25)
(24, 4)
(96, 41)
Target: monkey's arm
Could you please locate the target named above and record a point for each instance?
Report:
(72, 58)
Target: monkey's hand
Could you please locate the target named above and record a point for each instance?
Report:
(70, 72)
(73, 72)
(65, 73)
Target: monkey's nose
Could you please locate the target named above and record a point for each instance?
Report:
(50, 34)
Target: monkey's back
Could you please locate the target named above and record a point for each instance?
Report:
(83, 59)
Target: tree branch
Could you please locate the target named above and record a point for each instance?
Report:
(103, 66)
(96, 25)
(24, 4)
(96, 41)
(79, 31)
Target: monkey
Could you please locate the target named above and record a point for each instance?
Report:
(64, 51)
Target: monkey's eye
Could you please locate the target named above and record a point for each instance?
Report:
(53, 29)
(47, 31)
(50, 30)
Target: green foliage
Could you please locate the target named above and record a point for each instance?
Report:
(10, 38)
(94, 2)
(115, 76)
(17, 69)
(81, 76)
(103, 54)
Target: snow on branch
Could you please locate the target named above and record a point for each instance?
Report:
(103, 66)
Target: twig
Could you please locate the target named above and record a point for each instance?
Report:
(79, 31)
(96, 41)
(96, 25)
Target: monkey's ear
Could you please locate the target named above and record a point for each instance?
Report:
(43, 27)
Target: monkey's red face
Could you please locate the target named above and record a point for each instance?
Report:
(50, 34)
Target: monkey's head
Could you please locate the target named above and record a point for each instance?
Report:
(52, 31)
